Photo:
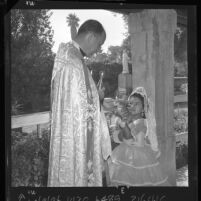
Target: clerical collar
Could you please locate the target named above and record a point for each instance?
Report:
(78, 47)
(82, 52)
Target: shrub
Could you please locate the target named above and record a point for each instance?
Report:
(29, 159)
(181, 120)
(181, 125)
(181, 155)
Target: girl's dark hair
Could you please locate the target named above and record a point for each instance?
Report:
(141, 99)
(91, 26)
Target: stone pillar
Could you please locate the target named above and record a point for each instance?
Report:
(124, 83)
(152, 48)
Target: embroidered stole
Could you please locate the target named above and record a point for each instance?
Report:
(90, 117)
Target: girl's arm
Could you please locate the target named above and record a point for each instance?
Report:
(125, 130)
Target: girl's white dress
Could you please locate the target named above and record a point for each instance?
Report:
(132, 165)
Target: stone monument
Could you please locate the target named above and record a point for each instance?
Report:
(125, 78)
(125, 62)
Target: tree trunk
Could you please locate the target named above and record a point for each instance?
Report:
(73, 30)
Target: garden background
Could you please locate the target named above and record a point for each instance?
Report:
(32, 61)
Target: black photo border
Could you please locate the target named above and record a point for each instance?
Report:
(110, 193)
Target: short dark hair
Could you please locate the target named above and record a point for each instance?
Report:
(91, 26)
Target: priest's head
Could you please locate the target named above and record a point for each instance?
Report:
(90, 37)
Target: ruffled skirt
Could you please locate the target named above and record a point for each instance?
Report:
(135, 166)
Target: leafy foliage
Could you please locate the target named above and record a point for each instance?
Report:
(29, 159)
(115, 54)
(180, 86)
(72, 20)
(180, 52)
(111, 72)
(181, 120)
(180, 47)
(31, 58)
(98, 57)
(181, 155)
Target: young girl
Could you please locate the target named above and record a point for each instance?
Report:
(134, 162)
